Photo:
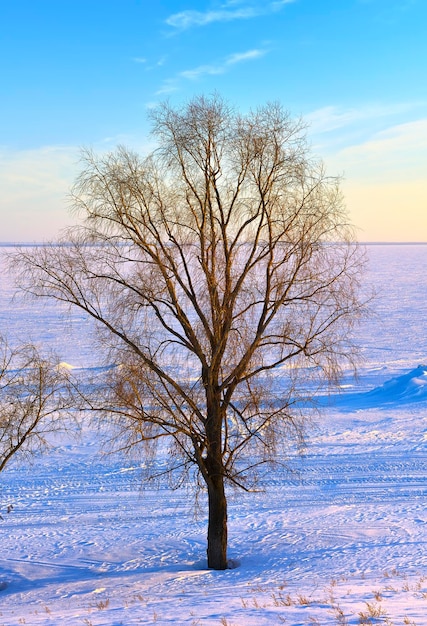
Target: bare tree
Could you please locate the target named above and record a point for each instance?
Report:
(32, 391)
(223, 275)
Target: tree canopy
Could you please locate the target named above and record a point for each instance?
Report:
(223, 276)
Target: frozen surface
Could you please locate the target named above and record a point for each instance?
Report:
(342, 535)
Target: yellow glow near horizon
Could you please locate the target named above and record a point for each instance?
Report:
(384, 187)
(388, 211)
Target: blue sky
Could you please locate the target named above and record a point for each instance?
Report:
(84, 73)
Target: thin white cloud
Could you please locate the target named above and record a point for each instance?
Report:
(150, 65)
(34, 187)
(238, 57)
(332, 118)
(222, 67)
(169, 86)
(172, 84)
(403, 141)
(202, 70)
(395, 154)
(188, 19)
(384, 184)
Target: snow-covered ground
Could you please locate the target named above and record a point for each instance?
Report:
(342, 539)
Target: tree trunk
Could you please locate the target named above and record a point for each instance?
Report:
(217, 526)
(214, 476)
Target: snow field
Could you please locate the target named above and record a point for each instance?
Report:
(339, 539)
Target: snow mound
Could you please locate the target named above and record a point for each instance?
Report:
(65, 366)
(408, 387)
(403, 389)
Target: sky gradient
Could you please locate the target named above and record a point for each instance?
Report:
(84, 73)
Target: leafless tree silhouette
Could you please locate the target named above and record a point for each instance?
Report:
(224, 277)
(32, 393)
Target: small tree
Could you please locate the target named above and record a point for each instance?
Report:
(223, 276)
(32, 391)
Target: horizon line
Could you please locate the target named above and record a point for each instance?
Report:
(11, 244)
